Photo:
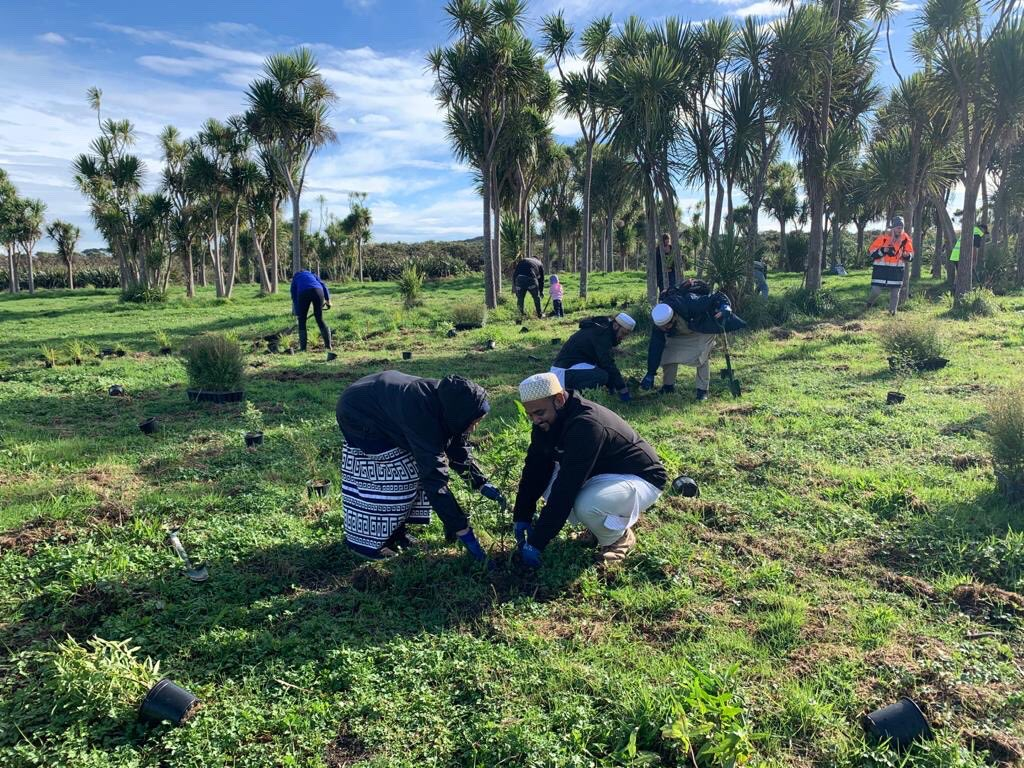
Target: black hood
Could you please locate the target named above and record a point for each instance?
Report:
(462, 403)
(602, 323)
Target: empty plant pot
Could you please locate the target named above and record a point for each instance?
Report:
(932, 364)
(452, 333)
(901, 723)
(407, 355)
(524, 329)
(165, 350)
(318, 488)
(331, 356)
(686, 486)
(167, 701)
(491, 344)
(107, 351)
(116, 391)
(556, 342)
(252, 439)
(149, 426)
(895, 398)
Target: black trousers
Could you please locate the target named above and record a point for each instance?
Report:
(312, 297)
(586, 378)
(523, 288)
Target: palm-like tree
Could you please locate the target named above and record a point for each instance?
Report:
(210, 169)
(288, 116)
(582, 96)
(184, 200)
(65, 236)
(9, 206)
(780, 200)
(357, 226)
(28, 230)
(489, 73)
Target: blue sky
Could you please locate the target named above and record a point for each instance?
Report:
(181, 62)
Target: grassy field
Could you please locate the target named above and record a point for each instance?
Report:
(844, 553)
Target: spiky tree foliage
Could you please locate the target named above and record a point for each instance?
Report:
(65, 236)
(28, 229)
(828, 84)
(780, 200)
(289, 110)
(486, 75)
(614, 185)
(9, 204)
(978, 60)
(184, 198)
(357, 226)
(582, 95)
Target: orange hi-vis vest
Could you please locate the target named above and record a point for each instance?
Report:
(904, 248)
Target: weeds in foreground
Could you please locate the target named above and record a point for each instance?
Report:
(214, 363)
(910, 343)
(1006, 435)
(980, 302)
(469, 315)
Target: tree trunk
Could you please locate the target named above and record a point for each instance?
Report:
(783, 250)
(609, 244)
(1020, 252)
(816, 199)
(261, 262)
(71, 273)
(652, 239)
(836, 235)
(496, 271)
(296, 235)
(218, 266)
(586, 225)
(186, 267)
(965, 270)
(546, 245)
(202, 263)
(937, 257)
(274, 266)
(31, 271)
(669, 199)
(490, 297)
(861, 225)
(359, 256)
(12, 272)
(233, 267)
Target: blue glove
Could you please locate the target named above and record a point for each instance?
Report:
(647, 382)
(468, 540)
(522, 531)
(491, 492)
(529, 556)
(625, 396)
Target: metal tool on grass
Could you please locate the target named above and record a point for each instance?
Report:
(194, 572)
(727, 372)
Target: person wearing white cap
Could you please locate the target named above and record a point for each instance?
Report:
(672, 344)
(588, 466)
(586, 360)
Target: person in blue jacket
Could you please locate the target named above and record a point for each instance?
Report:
(308, 290)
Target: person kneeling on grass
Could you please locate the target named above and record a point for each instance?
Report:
(401, 435)
(586, 360)
(589, 466)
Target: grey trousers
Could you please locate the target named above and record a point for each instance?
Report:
(894, 296)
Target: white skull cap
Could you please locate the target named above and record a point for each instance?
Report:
(539, 386)
(625, 321)
(661, 314)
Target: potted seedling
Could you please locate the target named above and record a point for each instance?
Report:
(253, 418)
(287, 343)
(50, 356)
(163, 342)
(214, 364)
(407, 355)
(116, 391)
(149, 426)
(76, 351)
(310, 453)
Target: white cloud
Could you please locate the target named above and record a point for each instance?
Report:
(52, 38)
(167, 65)
(762, 8)
(233, 28)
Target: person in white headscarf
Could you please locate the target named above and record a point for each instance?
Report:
(588, 466)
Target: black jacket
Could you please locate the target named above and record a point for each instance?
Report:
(426, 417)
(529, 273)
(586, 440)
(593, 344)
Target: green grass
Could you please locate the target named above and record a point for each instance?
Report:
(822, 559)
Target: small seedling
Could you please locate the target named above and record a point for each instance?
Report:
(163, 342)
(50, 356)
(76, 351)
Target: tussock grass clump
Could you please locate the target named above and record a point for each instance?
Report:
(910, 343)
(469, 314)
(1006, 432)
(766, 311)
(980, 302)
(823, 303)
(410, 286)
(51, 357)
(214, 363)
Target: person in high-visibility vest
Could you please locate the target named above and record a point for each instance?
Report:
(889, 252)
(980, 232)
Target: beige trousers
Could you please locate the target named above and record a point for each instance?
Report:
(607, 505)
(688, 349)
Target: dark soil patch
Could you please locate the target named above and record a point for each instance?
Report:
(961, 462)
(853, 327)
(368, 578)
(26, 539)
(908, 585)
(1002, 749)
(301, 375)
(981, 599)
(345, 750)
(749, 462)
(739, 410)
(781, 334)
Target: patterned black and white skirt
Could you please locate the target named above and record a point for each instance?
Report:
(379, 492)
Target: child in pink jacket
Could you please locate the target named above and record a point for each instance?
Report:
(556, 293)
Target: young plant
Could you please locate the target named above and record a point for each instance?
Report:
(76, 351)
(214, 363)
(911, 343)
(50, 356)
(410, 286)
(1006, 434)
(469, 314)
(287, 341)
(252, 417)
(163, 342)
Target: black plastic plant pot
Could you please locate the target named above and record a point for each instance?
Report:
(686, 486)
(331, 356)
(149, 426)
(491, 344)
(555, 342)
(252, 439)
(452, 333)
(107, 351)
(207, 396)
(901, 723)
(318, 488)
(165, 350)
(407, 355)
(116, 391)
(895, 398)
(932, 364)
(524, 329)
(119, 353)
(466, 326)
(168, 702)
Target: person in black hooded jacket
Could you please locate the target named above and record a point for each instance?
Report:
(402, 433)
(528, 277)
(586, 360)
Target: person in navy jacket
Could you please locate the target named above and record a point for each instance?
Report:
(308, 290)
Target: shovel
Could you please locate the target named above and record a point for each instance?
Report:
(194, 572)
(727, 372)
